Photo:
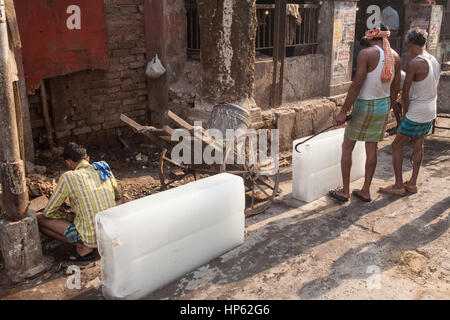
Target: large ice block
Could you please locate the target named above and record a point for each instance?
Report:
(316, 169)
(148, 243)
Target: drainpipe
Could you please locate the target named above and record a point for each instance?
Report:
(12, 173)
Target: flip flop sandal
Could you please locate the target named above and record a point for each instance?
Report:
(390, 190)
(357, 194)
(91, 256)
(412, 189)
(334, 195)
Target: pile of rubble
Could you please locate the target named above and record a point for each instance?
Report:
(40, 185)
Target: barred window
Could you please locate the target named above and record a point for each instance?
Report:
(301, 27)
(193, 30)
(445, 28)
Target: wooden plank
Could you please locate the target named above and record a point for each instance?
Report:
(45, 112)
(161, 137)
(168, 130)
(131, 122)
(204, 137)
(19, 118)
(178, 121)
(12, 23)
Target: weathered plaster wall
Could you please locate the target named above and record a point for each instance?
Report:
(165, 35)
(304, 118)
(416, 15)
(227, 36)
(304, 78)
(175, 38)
(183, 92)
(335, 36)
(263, 82)
(444, 93)
(300, 119)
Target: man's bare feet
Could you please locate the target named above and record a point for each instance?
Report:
(81, 252)
(342, 193)
(363, 195)
(410, 187)
(339, 195)
(393, 189)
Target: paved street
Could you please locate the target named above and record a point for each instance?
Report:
(323, 250)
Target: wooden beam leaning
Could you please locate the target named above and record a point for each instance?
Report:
(136, 126)
(45, 111)
(204, 137)
(157, 136)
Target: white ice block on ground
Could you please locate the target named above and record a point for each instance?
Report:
(317, 168)
(148, 243)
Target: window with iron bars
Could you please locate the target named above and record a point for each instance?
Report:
(193, 30)
(301, 28)
(445, 28)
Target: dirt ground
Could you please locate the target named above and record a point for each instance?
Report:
(391, 248)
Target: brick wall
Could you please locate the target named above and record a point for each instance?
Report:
(85, 106)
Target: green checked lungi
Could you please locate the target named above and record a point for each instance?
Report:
(369, 120)
(414, 129)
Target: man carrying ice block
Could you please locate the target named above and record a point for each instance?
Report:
(91, 189)
(372, 92)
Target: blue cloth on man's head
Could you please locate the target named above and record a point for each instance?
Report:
(105, 170)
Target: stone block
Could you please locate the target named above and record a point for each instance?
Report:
(21, 248)
(339, 99)
(443, 103)
(38, 204)
(285, 125)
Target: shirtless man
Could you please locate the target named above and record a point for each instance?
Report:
(419, 103)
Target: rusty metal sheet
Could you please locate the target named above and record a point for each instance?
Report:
(61, 37)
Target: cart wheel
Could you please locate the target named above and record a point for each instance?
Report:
(261, 176)
(171, 173)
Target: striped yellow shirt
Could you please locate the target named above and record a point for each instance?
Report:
(88, 195)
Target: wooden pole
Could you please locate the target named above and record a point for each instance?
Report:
(48, 124)
(279, 53)
(27, 148)
(12, 172)
(19, 120)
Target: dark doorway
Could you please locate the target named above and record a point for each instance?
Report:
(371, 13)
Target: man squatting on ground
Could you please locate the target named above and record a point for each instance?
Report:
(373, 90)
(90, 189)
(419, 103)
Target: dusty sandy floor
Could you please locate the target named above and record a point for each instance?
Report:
(320, 250)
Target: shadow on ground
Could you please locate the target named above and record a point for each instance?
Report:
(281, 244)
(284, 238)
(411, 236)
